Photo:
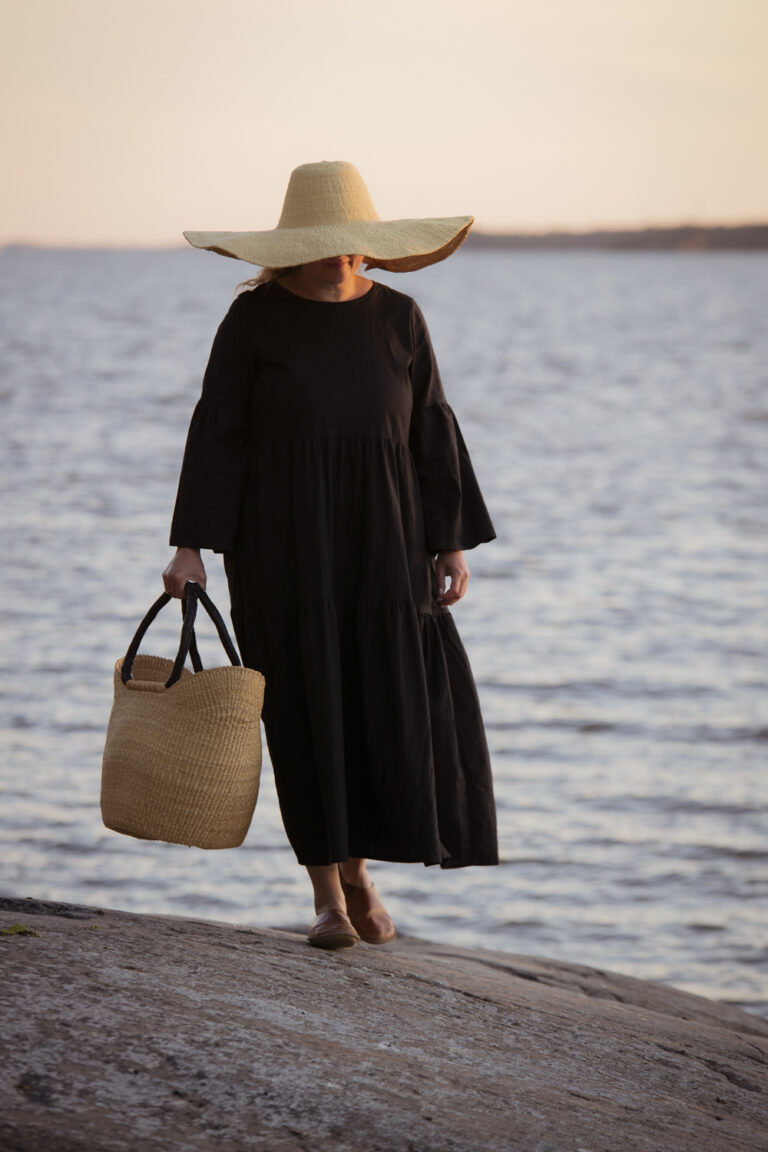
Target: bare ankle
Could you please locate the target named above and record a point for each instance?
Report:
(326, 887)
(355, 872)
(329, 906)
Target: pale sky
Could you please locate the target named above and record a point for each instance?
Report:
(126, 121)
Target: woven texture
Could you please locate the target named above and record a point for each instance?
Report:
(328, 212)
(183, 764)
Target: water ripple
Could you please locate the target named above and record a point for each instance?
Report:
(615, 409)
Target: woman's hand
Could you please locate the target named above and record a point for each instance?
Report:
(186, 565)
(454, 565)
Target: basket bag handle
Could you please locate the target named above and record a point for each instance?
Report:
(188, 644)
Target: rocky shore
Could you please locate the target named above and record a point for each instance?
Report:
(125, 1032)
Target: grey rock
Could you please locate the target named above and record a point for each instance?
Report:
(123, 1031)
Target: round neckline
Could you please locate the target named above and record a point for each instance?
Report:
(326, 303)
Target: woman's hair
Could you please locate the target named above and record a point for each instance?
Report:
(265, 276)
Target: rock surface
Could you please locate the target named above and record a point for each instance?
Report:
(123, 1032)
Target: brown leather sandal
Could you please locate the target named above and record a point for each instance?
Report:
(332, 929)
(374, 924)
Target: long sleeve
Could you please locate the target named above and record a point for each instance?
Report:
(207, 510)
(455, 515)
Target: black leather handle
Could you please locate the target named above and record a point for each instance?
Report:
(188, 643)
(216, 617)
(126, 671)
(194, 655)
(187, 631)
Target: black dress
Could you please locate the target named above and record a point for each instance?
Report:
(323, 461)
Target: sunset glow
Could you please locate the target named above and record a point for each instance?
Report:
(126, 122)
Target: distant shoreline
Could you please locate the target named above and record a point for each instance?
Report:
(667, 238)
(679, 238)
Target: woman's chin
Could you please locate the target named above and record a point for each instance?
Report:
(337, 275)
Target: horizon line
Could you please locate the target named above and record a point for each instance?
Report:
(476, 231)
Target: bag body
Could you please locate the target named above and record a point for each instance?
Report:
(182, 757)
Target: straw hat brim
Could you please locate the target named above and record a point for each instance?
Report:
(394, 245)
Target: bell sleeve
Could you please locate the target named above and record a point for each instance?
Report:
(455, 515)
(207, 510)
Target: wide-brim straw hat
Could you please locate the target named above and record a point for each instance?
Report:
(328, 212)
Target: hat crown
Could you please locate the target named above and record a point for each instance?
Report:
(326, 193)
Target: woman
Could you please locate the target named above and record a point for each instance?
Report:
(325, 464)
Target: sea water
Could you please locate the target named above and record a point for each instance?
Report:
(615, 406)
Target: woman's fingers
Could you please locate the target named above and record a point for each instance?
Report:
(175, 585)
(178, 582)
(181, 569)
(454, 566)
(455, 592)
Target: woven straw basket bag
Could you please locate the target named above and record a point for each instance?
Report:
(182, 758)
